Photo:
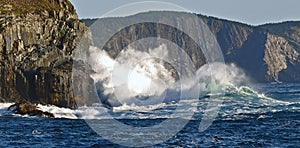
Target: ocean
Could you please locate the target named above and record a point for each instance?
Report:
(262, 115)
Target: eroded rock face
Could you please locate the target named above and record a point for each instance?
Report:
(230, 35)
(277, 55)
(36, 52)
(267, 53)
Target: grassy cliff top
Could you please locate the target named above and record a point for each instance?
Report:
(21, 7)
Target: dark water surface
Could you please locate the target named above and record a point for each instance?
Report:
(269, 117)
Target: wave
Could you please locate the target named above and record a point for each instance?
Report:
(236, 101)
(148, 82)
(57, 111)
(4, 107)
(248, 92)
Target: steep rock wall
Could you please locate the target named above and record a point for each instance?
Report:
(267, 53)
(36, 51)
(278, 53)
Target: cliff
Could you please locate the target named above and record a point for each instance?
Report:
(267, 53)
(37, 39)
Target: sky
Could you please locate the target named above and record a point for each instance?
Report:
(253, 12)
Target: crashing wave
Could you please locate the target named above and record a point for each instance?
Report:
(150, 80)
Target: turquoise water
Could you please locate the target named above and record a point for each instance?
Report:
(267, 115)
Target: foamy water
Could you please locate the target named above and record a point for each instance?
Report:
(147, 89)
(237, 102)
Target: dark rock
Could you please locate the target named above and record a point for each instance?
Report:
(26, 108)
(36, 51)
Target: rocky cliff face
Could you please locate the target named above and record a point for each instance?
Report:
(230, 35)
(268, 53)
(278, 54)
(36, 50)
(37, 43)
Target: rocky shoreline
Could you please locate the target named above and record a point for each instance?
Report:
(27, 108)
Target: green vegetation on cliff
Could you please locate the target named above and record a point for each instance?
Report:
(23, 7)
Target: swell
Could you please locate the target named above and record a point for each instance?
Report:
(238, 102)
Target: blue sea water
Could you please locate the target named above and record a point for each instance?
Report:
(267, 115)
